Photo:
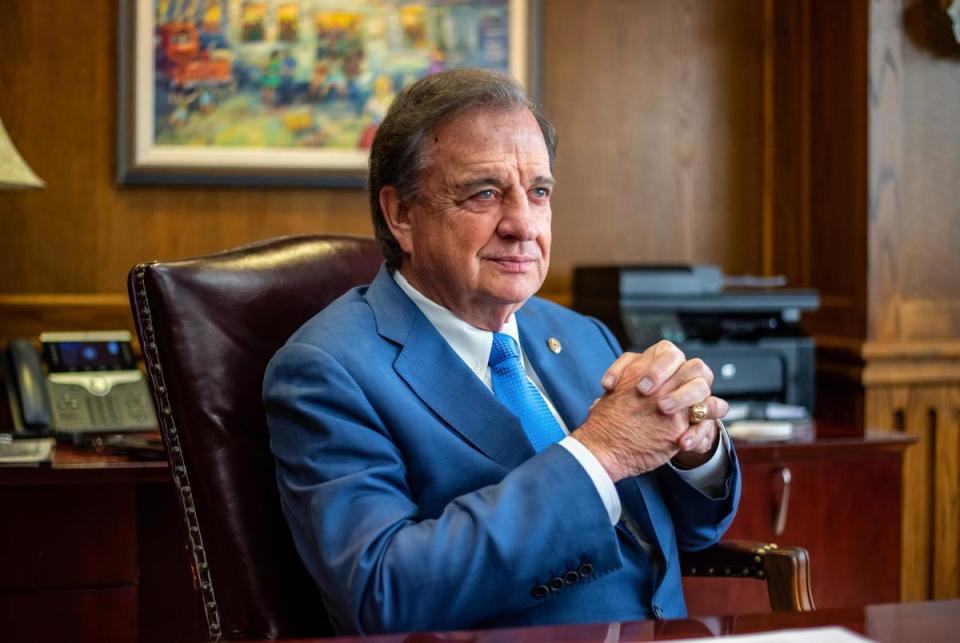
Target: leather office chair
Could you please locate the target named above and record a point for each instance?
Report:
(207, 327)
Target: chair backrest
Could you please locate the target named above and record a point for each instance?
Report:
(207, 327)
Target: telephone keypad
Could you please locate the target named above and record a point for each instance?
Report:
(138, 406)
(103, 411)
(126, 407)
(68, 401)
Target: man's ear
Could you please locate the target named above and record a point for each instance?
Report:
(397, 217)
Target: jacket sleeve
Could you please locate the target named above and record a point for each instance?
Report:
(699, 520)
(379, 565)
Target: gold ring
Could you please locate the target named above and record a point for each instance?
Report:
(698, 413)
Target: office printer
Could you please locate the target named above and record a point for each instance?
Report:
(745, 328)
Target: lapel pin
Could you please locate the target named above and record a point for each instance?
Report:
(554, 345)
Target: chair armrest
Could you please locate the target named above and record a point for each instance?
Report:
(786, 569)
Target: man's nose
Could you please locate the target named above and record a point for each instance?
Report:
(518, 219)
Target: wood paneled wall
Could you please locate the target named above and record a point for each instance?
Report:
(878, 89)
(912, 356)
(930, 568)
(659, 106)
(80, 235)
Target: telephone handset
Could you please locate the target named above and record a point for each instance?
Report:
(27, 389)
(86, 382)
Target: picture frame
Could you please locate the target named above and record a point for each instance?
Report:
(289, 92)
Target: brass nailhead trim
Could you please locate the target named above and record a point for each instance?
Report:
(175, 457)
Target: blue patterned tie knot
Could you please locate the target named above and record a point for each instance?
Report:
(503, 348)
(515, 391)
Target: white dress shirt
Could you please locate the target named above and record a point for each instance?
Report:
(473, 345)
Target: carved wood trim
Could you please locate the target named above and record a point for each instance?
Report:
(930, 560)
(876, 363)
(29, 314)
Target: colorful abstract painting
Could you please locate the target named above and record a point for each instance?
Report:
(297, 84)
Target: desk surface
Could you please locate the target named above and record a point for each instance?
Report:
(76, 466)
(930, 622)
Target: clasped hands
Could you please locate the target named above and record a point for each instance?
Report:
(642, 420)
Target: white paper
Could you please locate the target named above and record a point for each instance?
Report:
(804, 635)
(26, 450)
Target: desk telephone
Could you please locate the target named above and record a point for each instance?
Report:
(87, 382)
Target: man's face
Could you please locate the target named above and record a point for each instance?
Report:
(477, 239)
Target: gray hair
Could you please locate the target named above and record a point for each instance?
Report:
(396, 153)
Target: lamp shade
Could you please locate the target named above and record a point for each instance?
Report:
(14, 171)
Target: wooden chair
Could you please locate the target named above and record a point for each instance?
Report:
(208, 326)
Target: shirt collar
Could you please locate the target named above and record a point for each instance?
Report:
(472, 344)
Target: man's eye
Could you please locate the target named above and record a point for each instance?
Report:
(485, 195)
(540, 193)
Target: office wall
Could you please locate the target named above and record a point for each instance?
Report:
(877, 231)
(912, 353)
(659, 106)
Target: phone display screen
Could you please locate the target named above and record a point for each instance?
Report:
(72, 357)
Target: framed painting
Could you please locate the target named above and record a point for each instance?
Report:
(290, 92)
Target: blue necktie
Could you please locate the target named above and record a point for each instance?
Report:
(520, 395)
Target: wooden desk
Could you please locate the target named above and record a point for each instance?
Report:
(844, 506)
(97, 540)
(91, 550)
(934, 622)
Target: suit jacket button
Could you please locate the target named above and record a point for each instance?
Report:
(585, 570)
(556, 584)
(540, 591)
(571, 577)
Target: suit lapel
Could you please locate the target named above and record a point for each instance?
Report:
(442, 381)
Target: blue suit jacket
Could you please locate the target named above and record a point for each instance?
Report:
(416, 501)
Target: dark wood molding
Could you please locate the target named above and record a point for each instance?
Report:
(29, 314)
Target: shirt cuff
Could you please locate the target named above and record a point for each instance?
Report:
(601, 480)
(710, 476)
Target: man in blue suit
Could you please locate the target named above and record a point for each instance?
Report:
(453, 452)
